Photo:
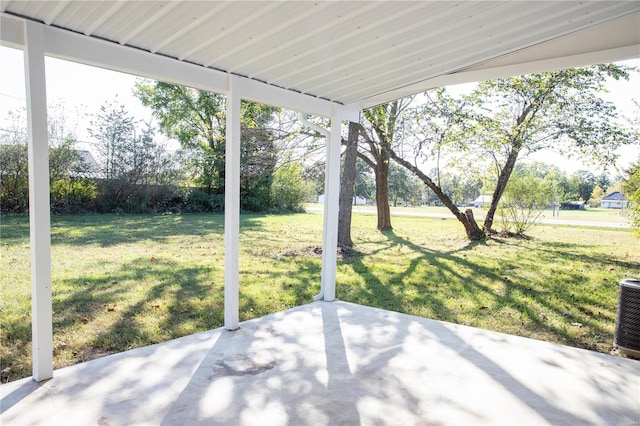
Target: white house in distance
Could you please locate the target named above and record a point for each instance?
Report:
(615, 200)
(357, 201)
(482, 200)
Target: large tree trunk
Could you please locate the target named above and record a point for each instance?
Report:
(347, 184)
(503, 179)
(382, 192)
(471, 227)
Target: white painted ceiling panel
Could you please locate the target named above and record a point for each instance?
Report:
(351, 52)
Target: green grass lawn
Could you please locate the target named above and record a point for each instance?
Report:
(122, 281)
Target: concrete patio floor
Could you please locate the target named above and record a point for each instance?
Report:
(336, 363)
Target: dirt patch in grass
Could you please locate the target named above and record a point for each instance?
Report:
(316, 251)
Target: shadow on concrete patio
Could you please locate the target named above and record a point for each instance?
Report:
(337, 363)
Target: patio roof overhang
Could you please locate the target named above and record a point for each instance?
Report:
(325, 58)
(356, 54)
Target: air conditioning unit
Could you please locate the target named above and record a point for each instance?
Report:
(627, 334)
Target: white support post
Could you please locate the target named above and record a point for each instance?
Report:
(232, 209)
(39, 220)
(331, 198)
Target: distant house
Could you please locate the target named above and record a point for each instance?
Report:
(357, 201)
(89, 167)
(92, 168)
(615, 200)
(481, 201)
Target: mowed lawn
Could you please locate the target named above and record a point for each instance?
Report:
(125, 281)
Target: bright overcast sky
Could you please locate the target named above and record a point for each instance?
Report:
(83, 89)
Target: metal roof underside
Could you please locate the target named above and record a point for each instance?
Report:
(358, 53)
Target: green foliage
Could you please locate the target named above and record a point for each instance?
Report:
(559, 110)
(14, 178)
(289, 191)
(631, 187)
(199, 201)
(137, 174)
(404, 186)
(603, 181)
(70, 192)
(524, 199)
(114, 129)
(134, 164)
(66, 162)
(127, 148)
(460, 188)
(314, 175)
(197, 119)
(586, 182)
(257, 165)
(73, 195)
(596, 197)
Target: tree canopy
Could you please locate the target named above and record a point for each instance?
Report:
(517, 116)
(506, 119)
(197, 119)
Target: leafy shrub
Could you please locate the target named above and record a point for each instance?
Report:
(199, 201)
(14, 179)
(525, 198)
(255, 194)
(289, 190)
(165, 198)
(73, 196)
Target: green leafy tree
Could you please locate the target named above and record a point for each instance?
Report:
(14, 178)
(586, 182)
(517, 116)
(131, 160)
(114, 129)
(631, 188)
(604, 181)
(380, 131)
(430, 128)
(314, 175)
(365, 184)
(289, 190)
(403, 186)
(197, 119)
(71, 188)
(596, 197)
(566, 187)
(14, 166)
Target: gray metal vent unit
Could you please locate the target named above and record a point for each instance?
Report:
(627, 334)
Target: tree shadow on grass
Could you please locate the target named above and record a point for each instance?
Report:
(110, 230)
(286, 283)
(151, 301)
(169, 301)
(449, 286)
(14, 228)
